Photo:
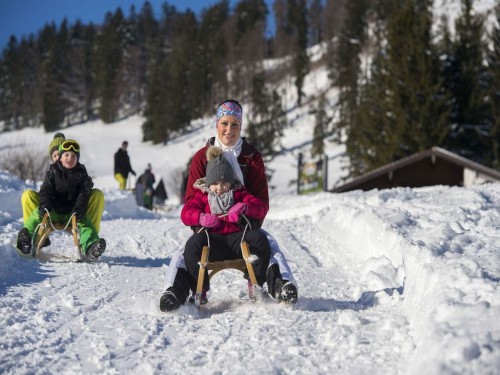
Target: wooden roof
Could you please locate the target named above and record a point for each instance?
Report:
(435, 166)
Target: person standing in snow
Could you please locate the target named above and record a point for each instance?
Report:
(65, 191)
(122, 166)
(146, 181)
(217, 206)
(30, 198)
(248, 167)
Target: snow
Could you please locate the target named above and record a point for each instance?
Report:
(399, 281)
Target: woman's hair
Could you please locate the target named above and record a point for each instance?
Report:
(229, 101)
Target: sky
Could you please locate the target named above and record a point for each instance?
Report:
(22, 17)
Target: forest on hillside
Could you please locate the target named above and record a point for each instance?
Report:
(405, 81)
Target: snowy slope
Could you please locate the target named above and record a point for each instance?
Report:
(402, 281)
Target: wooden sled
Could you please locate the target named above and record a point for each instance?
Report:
(46, 227)
(243, 265)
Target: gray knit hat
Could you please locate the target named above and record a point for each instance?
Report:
(218, 168)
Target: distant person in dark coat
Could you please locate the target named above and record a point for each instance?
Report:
(122, 166)
(146, 181)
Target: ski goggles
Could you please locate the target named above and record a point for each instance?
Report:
(69, 145)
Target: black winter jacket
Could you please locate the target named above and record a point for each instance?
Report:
(122, 163)
(66, 190)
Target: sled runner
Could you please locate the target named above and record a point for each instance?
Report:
(46, 227)
(243, 265)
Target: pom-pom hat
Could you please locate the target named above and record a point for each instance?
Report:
(218, 168)
(59, 138)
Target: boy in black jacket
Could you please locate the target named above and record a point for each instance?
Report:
(65, 191)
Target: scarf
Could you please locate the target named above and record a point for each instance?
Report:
(220, 204)
(231, 154)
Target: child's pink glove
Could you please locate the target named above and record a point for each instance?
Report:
(234, 212)
(209, 220)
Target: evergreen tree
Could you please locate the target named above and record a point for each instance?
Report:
(403, 108)
(465, 79)
(346, 67)
(212, 52)
(53, 105)
(109, 65)
(11, 85)
(315, 21)
(267, 120)
(493, 60)
(319, 134)
(297, 11)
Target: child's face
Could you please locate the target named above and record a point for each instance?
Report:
(55, 156)
(69, 159)
(220, 187)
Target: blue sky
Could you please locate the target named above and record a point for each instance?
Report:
(22, 17)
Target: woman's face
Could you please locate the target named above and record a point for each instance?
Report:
(228, 130)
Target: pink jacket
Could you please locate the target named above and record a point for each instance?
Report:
(198, 203)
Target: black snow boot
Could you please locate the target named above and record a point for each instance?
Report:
(169, 300)
(286, 291)
(24, 241)
(279, 288)
(96, 249)
(176, 295)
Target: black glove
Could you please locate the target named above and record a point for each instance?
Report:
(80, 214)
(41, 211)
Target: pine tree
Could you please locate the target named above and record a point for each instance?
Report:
(465, 74)
(267, 120)
(212, 52)
(315, 21)
(109, 66)
(321, 122)
(345, 69)
(51, 69)
(493, 60)
(403, 107)
(298, 20)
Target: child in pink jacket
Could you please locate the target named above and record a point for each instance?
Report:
(217, 206)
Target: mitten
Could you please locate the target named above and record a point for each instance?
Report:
(236, 211)
(209, 220)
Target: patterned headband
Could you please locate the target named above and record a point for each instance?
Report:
(231, 109)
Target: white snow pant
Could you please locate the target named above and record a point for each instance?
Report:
(277, 257)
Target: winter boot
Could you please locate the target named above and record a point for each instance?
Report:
(286, 291)
(24, 241)
(279, 288)
(96, 249)
(169, 301)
